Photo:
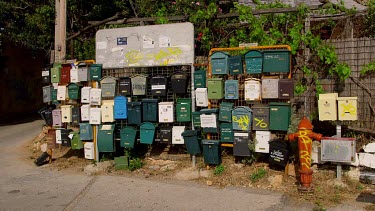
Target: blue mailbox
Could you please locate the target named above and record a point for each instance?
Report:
(85, 131)
(219, 63)
(121, 107)
(231, 89)
(241, 118)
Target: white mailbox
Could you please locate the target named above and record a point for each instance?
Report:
(58, 137)
(74, 75)
(82, 73)
(166, 112)
(61, 92)
(95, 96)
(176, 134)
(85, 113)
(208, 120)
(89, 150)
(107, 111)
(201, 97)
(85, 94)
(66, 113)
(95, 116)
(270, 88)
(252, 89)
(262, 139)
(327, 106)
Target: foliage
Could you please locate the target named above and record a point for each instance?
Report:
(219, 170)
(259, 174)
(370, 17)
(368, 68)
(135, 164)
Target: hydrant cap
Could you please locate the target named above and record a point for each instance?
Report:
(305, 124)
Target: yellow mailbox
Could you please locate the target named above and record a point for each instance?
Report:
(347, 108)
(327, 106)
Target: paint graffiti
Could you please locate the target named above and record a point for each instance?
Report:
(162, 57)
(243, 122)
(304, 154)
(348, 109)
(260, 123)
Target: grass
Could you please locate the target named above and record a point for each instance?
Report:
(219, 170)
(259, 174)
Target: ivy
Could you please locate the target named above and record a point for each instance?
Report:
(368, 68)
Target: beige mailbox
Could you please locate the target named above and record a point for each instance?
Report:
(74, 75)
(95, 117)
(85, 94)
(66, 113)
(85, 113)
(61, 93)
(201, 97)
(327, 106)
(252, 89)
(107, 111)
(347, 108)
(95, 96)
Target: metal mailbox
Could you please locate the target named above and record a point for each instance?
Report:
(76, 142)
(108, 86)
(341, 150)
(241, 145)
(219, 63)
(47, 94)
(235, 65)
(61, 93)
(139, 85)
(231, 89)
(270, 88)
(121, 107)
(166, 112)
(159, 86)
(200, 79)
(279, 152)
(65, 73)
(327, 106)
(254, 62)
(95, 116)
(165, 134)
(76, 115)
(74, 75)
(183, 110)
(262, 139)
(211, 152)
(46, 114)
(286, 88)
(225, 112)
(176, 134)
(253, 89)
(85, 112)
(125, 86)
(215, 88)
(85, 94)
(55, 74)
(54, 96)
(86, 132)
(128, 137)
(89, 150)
(65, 140)
(147, 133)
(66, 113)
(279, 116)
(74, 91)
(134, 113)
(105, 140)
(196, 116)
(276, 61)
(51, 139)
(226, 133)
(95, 72)
(347, 108)
(150, 110)
(82, 72)
(58, 136)
(46, 76)
(192, 141)
(261, 117)
(201, 97)
(209, 121)
(179, 83)
(56, 118)
(107, 111)
(241, 118)
(95, 96)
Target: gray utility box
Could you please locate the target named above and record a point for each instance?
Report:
(341, 150)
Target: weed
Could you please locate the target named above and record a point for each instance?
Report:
(259, 174)
(319, 207)
(135, 164)
(219, 170)
(360, 187)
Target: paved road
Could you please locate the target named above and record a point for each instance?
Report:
(23, 186)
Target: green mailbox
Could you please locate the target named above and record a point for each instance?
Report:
(225, 112)
(209, 119)
(279, 116)
(85, 131)
(226, 132)
(254, 62)
(219, 63)
(96, 72)
(276, 61)
(200, 79)
(105, 140)
(215, 88)
(54, 97)
(235, 65)
(211, 151)
(150, 110)
(147, 133)
(76, 142)
(231, 89)
(55, 74)
(128, 137)
(183, 110)
(196, 115)
(192, 141)
(134, 113)
(241, 118)
(74, 91)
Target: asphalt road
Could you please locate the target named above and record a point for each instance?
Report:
(23, 186)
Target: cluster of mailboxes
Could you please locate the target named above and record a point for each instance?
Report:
(332, 107)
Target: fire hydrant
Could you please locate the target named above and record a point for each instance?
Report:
(305, 136)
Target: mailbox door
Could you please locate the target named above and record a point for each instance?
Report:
(56, 118)
(241, 118)
(65, 73)
(125, 86)
(241, 145)
(66, 112)
(150, 110)
(225, 112)
(95, 72)
(46, 76)
(158, 86)
(270, 88)
(199, 79)
(254, 62)
(55, 74)
(179, 83)
(226, 133)
(176, 134)
(73, 92)
(108, 89)
(327, 109)
(279, 116)
(134, 113)
(106, 138)
(276, 61)
(85, 130)
(235, 65)
(107, 112)
(166, 112)
(231, 89)
(261, 117)
(262, 139)
(252, 90)
(89, 150)
(58, 136)
(347, 108)
(166, 134)
(215, 88)
(85, 94)
(74, 75)
(61, 93)
(85, 112)
(95, 96)
(95, 116)
(183, 110)
(286, 88)
(82, 73)
(47, 94)
(201, 97)
(196, 118)
(76, 115)
(139, 85)
(120, 107)
(219, 63)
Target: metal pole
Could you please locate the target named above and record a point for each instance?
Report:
(63, 30)
(338, 168)
(57, 32)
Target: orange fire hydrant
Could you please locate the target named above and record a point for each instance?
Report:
(305, 136)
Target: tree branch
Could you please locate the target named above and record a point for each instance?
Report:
(364, 87)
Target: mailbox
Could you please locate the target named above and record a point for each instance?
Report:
(58, 136)
(201, 97)
(95, 96)
(76, 142)
(200, 79)
(211, 152)
(107, 111)
(66, 112)
(253, 90)
(108, 86)
(215, 88)
(55, 74)
(286, 88)
(327, 106)
(226, 132)
(85, 131)
(82, 72)
(183, 110)
(192, 141)
(65, 73)
(261, 117)
(56, 118)
(95, 116)
(219, 63)
(179, 83)
(241, 145)
(105, 140)
(74, 74)
(159, 86)
(89, 150)
(176, 134)
(196, 116)
(95, 72)
(128, 137)
(347, 108)
(139, 85)
(279, 152)
(225, 112)
(235, 65)
(150, 110)
(241, 118)
(262, 139)
(231, 89)
(65, 140)
(125, 86)
(61, 93)
(147, 133)
(46, 114)
(270, 88)
(166, 112)
(51, 139)
(134, 113)
(54, 96)
(279, 116)
(209, 119)
(121, 107)
(85, 112)
(76, 115)
(276, 61)
(47, 94)
(74, 91)
(85, 94)
(165, 134)
(254, 62)
(46, 76)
